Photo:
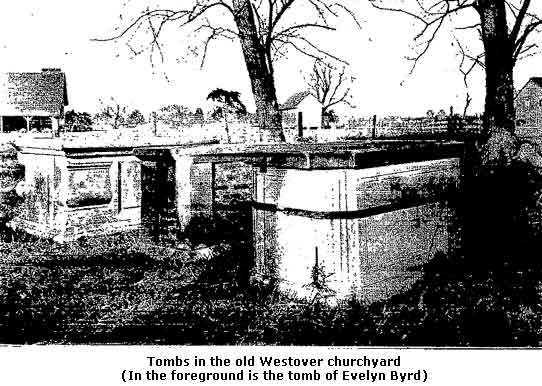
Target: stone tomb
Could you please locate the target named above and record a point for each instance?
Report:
(88, 189)
(348, 231)
(347, 219)
(74, 192)
(335, 219)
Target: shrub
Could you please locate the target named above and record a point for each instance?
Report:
(11, 172)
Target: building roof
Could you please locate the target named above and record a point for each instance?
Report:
(294, 100)
(33, 93)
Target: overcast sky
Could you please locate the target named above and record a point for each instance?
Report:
(57, 33)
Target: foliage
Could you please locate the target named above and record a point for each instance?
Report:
(496, 235)
(76, 121)
(122, 290)
(11, 172)
(113, 114)
(174, 114)
(229, 103)
(330, 116)
(135, 118)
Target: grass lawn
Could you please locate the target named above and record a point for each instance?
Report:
(123, 289)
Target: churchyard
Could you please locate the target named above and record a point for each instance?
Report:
(203, 285)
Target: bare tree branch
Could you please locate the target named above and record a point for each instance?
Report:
(431, 19)
(330, 85)
(269, 16)
(262, 28)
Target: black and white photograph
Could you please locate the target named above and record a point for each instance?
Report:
(323, 173)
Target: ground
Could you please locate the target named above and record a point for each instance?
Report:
(122, 290)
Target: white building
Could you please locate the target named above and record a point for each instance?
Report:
(302, 111)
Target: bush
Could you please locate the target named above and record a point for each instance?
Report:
(11, 172)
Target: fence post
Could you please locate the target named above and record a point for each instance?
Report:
(154, 122)
(300, 124)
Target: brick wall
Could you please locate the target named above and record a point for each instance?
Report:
(233, 185)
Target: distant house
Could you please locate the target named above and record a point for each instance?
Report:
(32, 100)
(302, 110)
(529, 104)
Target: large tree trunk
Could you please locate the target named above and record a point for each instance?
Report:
(499, 121)
(261, 78)
(496, 188)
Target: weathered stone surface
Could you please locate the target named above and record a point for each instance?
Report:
(88, 184)
(66, 198)
(72, 191)
(362, 231)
